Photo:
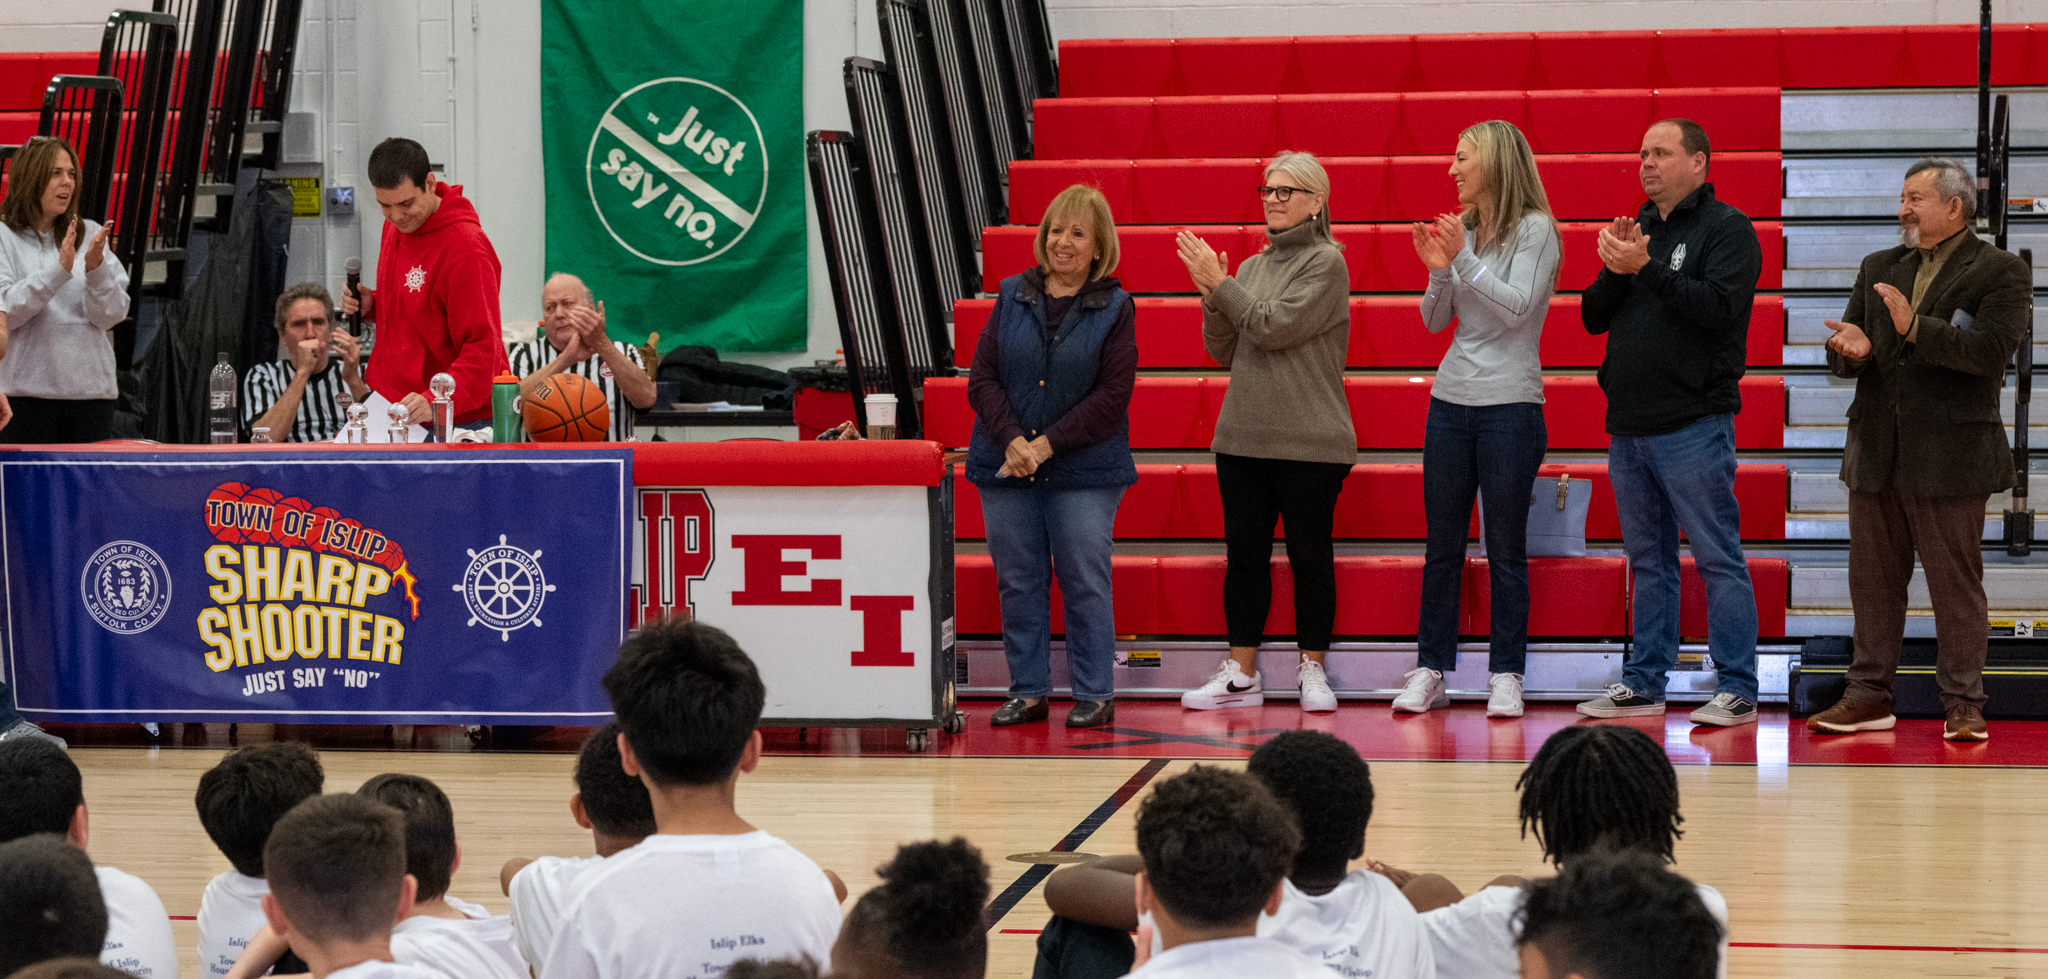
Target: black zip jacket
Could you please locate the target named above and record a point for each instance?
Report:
(1678, 329)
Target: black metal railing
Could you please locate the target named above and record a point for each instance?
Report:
(863, 295)
(873, 99)
(907, 44)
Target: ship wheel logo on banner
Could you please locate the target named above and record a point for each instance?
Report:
(504, 588)
(676, 170)
(127, 588)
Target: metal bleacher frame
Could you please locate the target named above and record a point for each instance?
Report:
(82, 109)
(1009, 110)
(981, 173)
(140, 49)
(907, 45)
(863, 293)
(200, 25)
(874, 99)
(1031, 49)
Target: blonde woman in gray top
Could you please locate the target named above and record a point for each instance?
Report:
(1492, 268)
(1284, 441)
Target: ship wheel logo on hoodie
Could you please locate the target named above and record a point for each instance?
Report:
(677, 171)
(416, 279)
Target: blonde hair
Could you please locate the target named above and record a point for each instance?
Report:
(1076, 201)
(1508, 167)
(1309, 173)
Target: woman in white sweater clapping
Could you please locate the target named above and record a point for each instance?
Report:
(1493, 268)
(61, 292)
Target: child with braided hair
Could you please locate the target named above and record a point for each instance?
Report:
(1591, 789)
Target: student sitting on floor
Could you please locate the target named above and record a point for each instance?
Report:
(69, 968)
(1590, 788)
(239, 800)
(336, 866)
(41, 791)
(923, 921)
(1356, 923)
(1618, 916)
(1216, 847)
(50, 905)
(708, 888)
(609, 803)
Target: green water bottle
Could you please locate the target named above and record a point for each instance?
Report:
(505, 423)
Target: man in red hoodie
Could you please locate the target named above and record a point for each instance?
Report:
(436, 300)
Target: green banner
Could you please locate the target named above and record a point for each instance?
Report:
(673, 135)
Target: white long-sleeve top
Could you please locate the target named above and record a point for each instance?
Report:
(58, 318)
(1499, 300)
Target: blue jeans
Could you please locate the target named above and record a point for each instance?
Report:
(1661, 483)
(1032, 535)
(1467, 449)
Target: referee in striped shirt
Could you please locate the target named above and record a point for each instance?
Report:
(576, 342)
(294, 396)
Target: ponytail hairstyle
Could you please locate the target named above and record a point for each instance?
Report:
(924, 920)
(1309, 173)
(1509, 168)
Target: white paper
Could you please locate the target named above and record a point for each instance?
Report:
(377, 425)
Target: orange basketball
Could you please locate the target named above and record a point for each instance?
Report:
(566, 408)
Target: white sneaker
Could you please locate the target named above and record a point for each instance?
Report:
(1423, 692)
(1506, 700)
(1229, 687)
(1314, 684)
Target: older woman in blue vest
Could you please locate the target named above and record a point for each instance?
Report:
(1051, 454)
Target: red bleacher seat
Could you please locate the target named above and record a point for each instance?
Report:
(1386, 331)
(1857, 57)
(1180, 412)
(1771, 579)
(1380, 501)
(1377, 596)
(16, 126)
(1588, 121)
(25, 74)
(1584, 186)
(1381, 257)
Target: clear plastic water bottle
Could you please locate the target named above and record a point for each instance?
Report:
(220, 401)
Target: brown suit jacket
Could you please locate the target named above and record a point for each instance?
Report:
(1928, 410)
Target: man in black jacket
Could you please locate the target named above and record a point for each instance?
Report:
(1674, 300)
(1927, 335)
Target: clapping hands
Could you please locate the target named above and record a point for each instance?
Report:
(1438, 242)
(1624, 249)
(1207, 267)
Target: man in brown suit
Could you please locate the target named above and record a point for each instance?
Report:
(1927, 335)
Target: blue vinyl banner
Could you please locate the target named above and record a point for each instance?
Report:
(360, 587)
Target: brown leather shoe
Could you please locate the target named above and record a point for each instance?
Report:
(1849, 716)
(1965, 723)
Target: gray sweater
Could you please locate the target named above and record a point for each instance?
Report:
(1282, 325)
(58, 318)
(1499, 301)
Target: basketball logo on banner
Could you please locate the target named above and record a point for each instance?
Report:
(127, 588)
(504, 588)
(676, 170)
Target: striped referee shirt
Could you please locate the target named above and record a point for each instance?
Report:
(532, 355)
(319, 416)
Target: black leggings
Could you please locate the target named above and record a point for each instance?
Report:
(1304, 494)
(53, 421)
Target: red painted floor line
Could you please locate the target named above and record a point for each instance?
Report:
(184, 917)
(1892, 948)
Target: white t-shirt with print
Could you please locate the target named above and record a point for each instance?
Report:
(1364, 928)
(686, 907)
(540, 892)
(1475, 938)
(1231, 958)
(230, 913)
(139, 938)
(477, 947)
(380, 969)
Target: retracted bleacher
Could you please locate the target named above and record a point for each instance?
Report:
(1812, 131)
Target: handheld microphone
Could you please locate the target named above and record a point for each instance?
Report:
(354, 268)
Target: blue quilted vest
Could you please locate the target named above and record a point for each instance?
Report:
(1044, 379)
